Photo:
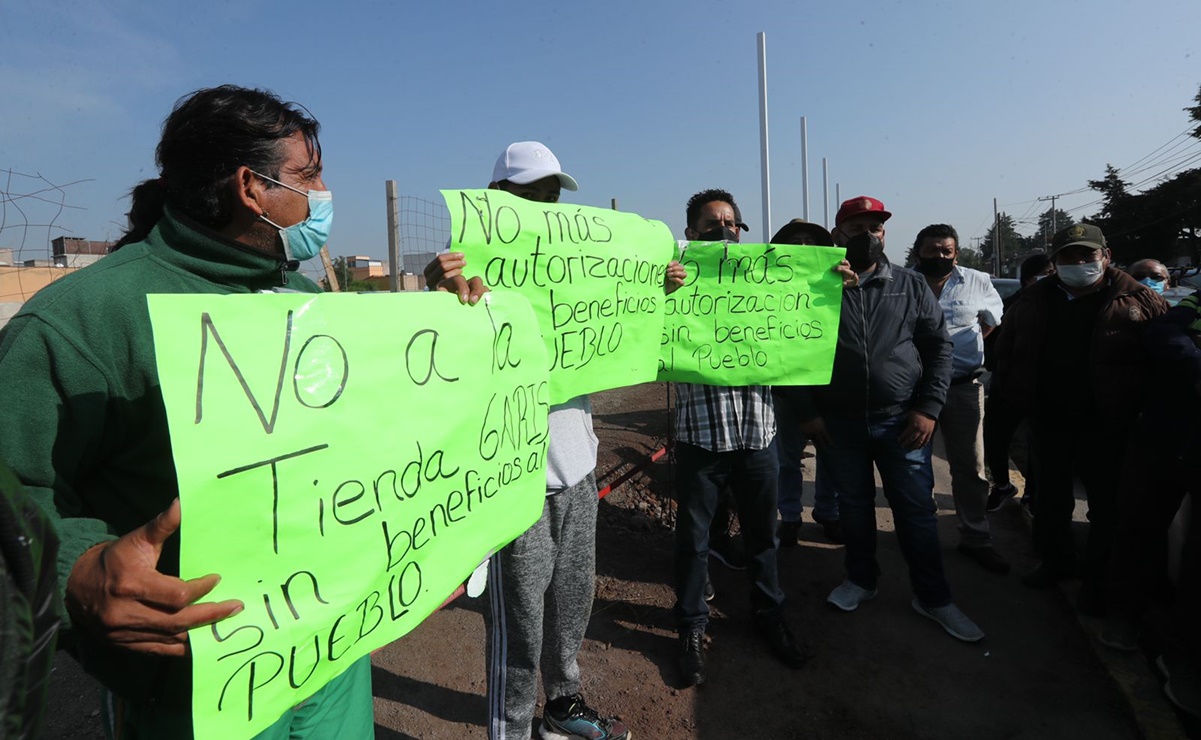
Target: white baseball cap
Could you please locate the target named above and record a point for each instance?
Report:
(523, 162)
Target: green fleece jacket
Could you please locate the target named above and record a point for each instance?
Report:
(84, 427)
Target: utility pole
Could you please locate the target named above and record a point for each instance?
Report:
(996, 237)
(804, 169)
(393, 236)
(764, 157)
(1054, 217)
(825, 193)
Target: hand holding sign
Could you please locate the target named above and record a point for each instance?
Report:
(115, 591)
(445, 273)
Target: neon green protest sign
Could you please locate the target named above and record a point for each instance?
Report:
(344, 461)
(753, 314)
(594, 277)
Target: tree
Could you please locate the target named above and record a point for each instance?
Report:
(341, 272)
(1050, 221)
(970, 257)
(1162, 222)
(1194, 114)
(1012, 244)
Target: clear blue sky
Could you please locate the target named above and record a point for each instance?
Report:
(934, 107)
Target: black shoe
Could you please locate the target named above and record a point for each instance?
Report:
(987, 558)
(710, 592)
(692, 656)
(1027, 502)
(789, 533)
(832, 528)
(729, 551)
(999, 495)
(1047, 575)
(779, 639)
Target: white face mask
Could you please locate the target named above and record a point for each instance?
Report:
(1081, 276)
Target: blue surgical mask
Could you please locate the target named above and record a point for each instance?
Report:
(1153, 284)
(304, 240)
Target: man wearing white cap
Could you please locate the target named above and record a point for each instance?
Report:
(541, 584)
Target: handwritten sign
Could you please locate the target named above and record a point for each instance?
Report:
(594, 277)
(344, 462)
(753, 314)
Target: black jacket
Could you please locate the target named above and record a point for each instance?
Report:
(893, 352)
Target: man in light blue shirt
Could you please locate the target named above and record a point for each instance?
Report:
(972, 309)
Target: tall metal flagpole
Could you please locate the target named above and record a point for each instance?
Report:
(804, 169)
(763, 148)
(825, 193)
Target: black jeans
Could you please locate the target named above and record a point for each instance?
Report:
(1094, 449)
(700, 476)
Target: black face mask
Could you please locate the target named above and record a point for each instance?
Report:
(935, 267)
(718, 234)
(864, 250)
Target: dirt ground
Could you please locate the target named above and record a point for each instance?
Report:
(880, 672)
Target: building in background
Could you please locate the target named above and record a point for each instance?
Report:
(74, 251)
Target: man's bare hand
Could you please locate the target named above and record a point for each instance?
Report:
(850, 278)
(445, 273)
(115, 592)
(676, 275)
(918, 432)
(815, 430)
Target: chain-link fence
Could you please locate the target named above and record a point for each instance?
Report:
(35, 246)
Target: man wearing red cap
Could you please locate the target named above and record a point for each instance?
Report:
(892, 367)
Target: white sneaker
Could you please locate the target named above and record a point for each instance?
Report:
(955, 622)
(849, 596)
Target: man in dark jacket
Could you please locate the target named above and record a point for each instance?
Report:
(1070, 354)
(892, 367)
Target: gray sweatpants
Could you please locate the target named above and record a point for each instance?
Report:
(541, 587)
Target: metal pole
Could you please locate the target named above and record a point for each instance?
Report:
(1054, 219)
(393, 236)
(996, 237)
(825, 193)
(804, 169)
(763, 148)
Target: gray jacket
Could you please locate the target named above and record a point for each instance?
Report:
(893, 352)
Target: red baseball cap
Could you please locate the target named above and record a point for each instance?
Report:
(858, 206)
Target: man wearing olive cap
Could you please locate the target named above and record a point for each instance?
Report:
(1070, 353)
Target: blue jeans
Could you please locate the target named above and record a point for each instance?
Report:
(700, 477)
(791, 446)
(909, 488)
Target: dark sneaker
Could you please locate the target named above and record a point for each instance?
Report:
(779, 639)
(832, 528)
(729, 551)
(692, 656)
(987, 558)
(1027, 503)
(999, 495)
(568, 718)
(1047, 575)
(789, 534)
(710, 592)
(1182, 683)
